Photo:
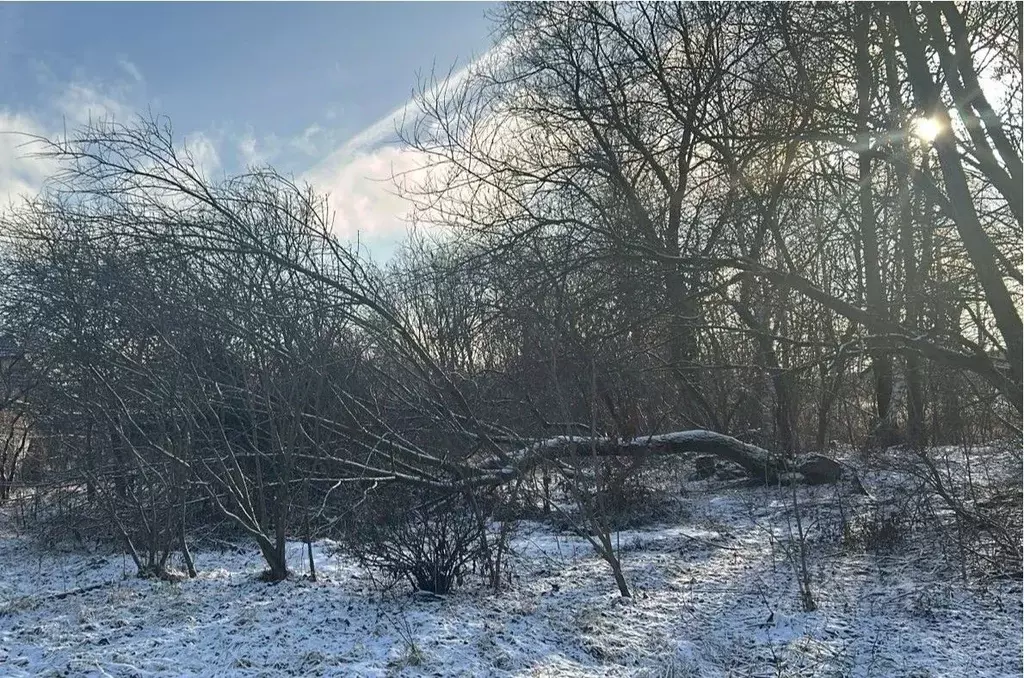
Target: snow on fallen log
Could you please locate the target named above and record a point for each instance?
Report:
(755, 461)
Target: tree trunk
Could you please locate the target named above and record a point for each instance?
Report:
(186, 555)
(755, 461)
(906, 219)
(881, 361)
(916, 395)
(274, 553)
(608, 553)
(831, 382)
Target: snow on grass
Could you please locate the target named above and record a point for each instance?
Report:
(714, 596)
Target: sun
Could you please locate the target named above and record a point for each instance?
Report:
(926, 129)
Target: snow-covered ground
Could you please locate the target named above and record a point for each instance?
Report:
(715, 595)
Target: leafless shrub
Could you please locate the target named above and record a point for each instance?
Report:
(978, 499)
(430, 542)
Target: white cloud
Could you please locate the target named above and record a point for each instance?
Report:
(358, 174)
(248, 150)
(203, 150)
(363, 194)
(21, 173)
(307, 141)
(285, 153)
(131, 69)
(81, 103)
(256, 151)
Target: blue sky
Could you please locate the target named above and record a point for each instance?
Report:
(284, 83)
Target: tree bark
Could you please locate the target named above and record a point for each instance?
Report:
(755, 461)
(905, 218)
(274, 554)
(881, 361)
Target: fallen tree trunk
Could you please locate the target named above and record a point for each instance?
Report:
(755, 461)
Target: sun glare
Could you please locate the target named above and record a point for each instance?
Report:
(926, 129)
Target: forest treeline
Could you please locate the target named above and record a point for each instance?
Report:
(796, 225)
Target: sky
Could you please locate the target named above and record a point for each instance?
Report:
(310, 88)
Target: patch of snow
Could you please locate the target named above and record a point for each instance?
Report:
(714, 596)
